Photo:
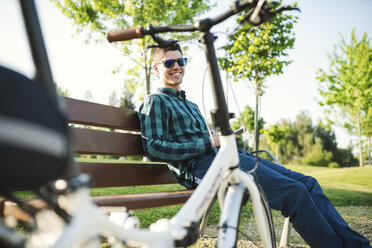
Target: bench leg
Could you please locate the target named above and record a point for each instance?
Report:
(204, 220)
(284, 240)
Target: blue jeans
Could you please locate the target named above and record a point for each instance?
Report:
(301, 198)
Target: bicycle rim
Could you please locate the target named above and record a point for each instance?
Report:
(237, 227)
(247, 234)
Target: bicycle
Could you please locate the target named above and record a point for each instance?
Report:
(75, 220)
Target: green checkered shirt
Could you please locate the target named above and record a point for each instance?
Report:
(174, 131)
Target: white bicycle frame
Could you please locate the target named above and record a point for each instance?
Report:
(88, 222)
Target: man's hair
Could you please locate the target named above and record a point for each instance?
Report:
(158, 52)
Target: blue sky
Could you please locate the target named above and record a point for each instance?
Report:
(81, 67)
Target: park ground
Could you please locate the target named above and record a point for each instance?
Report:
(349, 189)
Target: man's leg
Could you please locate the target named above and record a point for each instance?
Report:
(293, 199)
(349, 237)
(290, 197)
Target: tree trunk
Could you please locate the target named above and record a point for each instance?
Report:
(359, 141)
(148, 86)
(147, 66)
(277, 151)
(256, 120)
(369, 150)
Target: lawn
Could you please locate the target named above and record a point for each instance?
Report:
(349, 189)
(343, 186)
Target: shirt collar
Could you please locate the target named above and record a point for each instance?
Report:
(172, 92)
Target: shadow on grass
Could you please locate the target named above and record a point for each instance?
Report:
(343, 197)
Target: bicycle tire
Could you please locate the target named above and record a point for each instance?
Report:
(231, 217)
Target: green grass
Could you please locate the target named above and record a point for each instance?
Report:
(349, 189)
(343, 186)
(358, 176)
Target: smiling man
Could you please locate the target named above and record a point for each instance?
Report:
(174, 131)
(173, 69)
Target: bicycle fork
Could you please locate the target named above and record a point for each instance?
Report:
(232, 206)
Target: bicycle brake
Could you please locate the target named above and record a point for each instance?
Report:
(265, 13)
(162, 43)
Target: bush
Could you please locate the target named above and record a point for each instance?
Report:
(333, 165)
(344, 157)
(317, 156)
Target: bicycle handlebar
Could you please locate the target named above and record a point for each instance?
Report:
(126, 34)
(202, 25)
(261, 12)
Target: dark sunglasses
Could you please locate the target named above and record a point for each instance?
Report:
(170, 62)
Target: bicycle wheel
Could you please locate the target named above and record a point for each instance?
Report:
(234, 228)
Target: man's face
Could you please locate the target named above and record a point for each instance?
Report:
(171, 77)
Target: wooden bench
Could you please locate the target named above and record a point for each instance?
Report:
(120, 138)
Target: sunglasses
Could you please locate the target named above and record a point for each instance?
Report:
(170, 62)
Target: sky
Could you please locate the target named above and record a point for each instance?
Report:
(79, 66)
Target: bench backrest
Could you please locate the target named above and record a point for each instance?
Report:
(122, 138)
(113, 142)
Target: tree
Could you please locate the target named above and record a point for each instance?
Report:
(97, 17)
(126, 100)
(367, 132)
(62, 91)
(317, 155)
(346, 89)
(88, 95)
(301, 142)
(276, 135)
(113, 99)
(246, 120)
(328, 137)
(256, 52)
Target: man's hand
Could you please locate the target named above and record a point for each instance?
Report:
(215, 138)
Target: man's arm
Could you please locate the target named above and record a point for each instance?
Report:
(154, 118)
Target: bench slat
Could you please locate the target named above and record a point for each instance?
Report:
(126, 174)
(90, 141)
(130, 201)
(89, 113)
(145, 200)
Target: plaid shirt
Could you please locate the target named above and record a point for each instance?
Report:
(174, 131)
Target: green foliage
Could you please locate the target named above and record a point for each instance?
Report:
(348, 84)
(317, 156)
(246, 120)
(255, 52)
(327, 136)
(97, 17)
(344, 157)
(276, 135)
(307, 144)
(299, 138)
(333, 165)
(346, 89)
(62, 91)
